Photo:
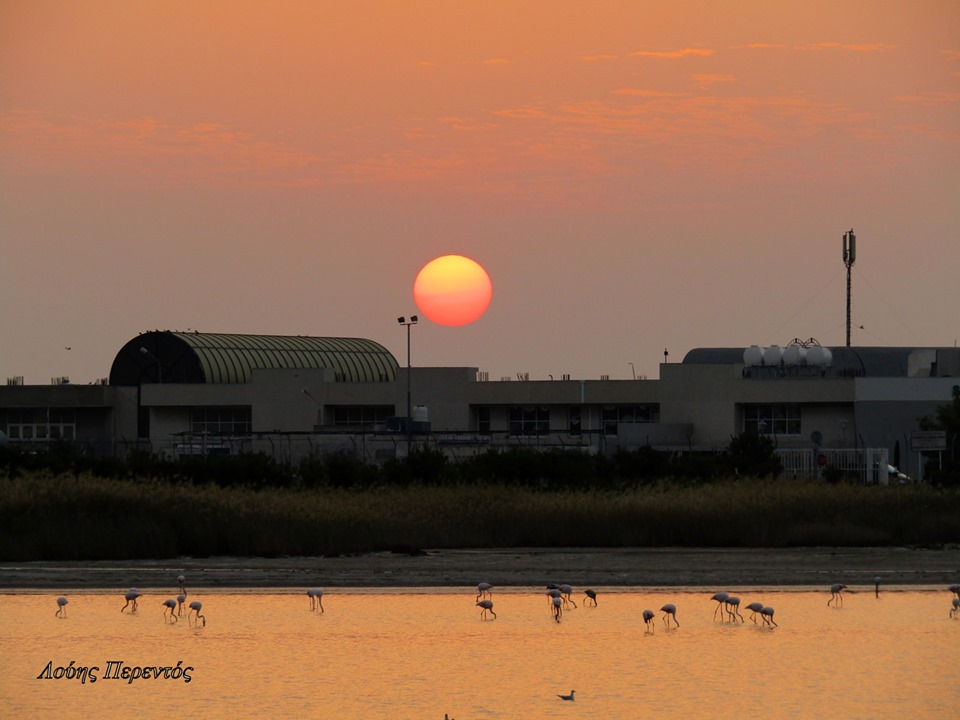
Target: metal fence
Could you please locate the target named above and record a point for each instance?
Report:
(871, 465)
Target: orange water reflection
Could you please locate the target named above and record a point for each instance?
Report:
(420, 654)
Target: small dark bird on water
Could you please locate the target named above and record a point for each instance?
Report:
(567, 697)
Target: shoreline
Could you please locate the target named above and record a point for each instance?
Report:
(510, 567)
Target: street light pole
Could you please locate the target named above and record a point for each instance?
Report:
(408, 322)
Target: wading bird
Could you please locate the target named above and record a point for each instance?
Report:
(591, 595)
(955, 611)
(767, 613)
(195, 607)
(61, 607)
(733, 608)
(754, 608)
(565, 592)
(170, 605)
(721, 598)
(180, 581)
(552, 594)
(316, 598)
(955, 589)
(567, 697)
(487, 606)
(483, 591)
(876, 586)
(131, 597)
(669, 610)
(835, 594)
(557, 608)
(181, 599)
(648, 616)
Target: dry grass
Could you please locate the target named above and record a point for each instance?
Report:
(76, 518)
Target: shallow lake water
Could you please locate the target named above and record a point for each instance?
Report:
(419, 654)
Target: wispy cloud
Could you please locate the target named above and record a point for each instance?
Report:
(764, 46)
(853, 47)
(685, 52)
(931, 99)
(40, 142)
(705, 80)
(496, 61)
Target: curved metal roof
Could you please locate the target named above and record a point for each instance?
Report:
(176, 357)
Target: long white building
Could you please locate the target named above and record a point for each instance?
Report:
(185, 393)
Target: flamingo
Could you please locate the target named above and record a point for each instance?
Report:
(591, 595)
(553, 594)
(181, 599)
(195, 607)
(876, 586)
(955, 589)
(131, 597)
(487, 606)
(835, 594)
(767, 613)
(316, 598)
(721, 598)
(954, 612)
(181, 580)
(671, 610)
(61, 607)
(567, 697)
(754, 608)
(483, 590)
(648, 616)
(565, 592)
(557, 608)
(170, 605)
(733, 608)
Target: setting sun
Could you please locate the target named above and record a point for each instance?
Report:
(452, 290)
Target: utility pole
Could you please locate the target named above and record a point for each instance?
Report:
(849, 258)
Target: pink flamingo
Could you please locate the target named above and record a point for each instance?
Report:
(170, 605)
(61, 607)
(648, 616)
(835, 594)
(671, 610)
(767, 613)
(487, 606)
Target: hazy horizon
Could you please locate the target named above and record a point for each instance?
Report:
(634, 177)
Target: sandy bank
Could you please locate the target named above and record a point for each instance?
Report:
(659, 567)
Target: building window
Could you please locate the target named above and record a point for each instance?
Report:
(529, 420)
(573, 420)
(361, 417)
(41, 424)
(771, 419)
(221, 420)
(483, 420)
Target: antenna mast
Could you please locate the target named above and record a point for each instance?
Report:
(849, 258)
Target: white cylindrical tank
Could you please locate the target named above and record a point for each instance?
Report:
(753, 356)
(819, 356)
(772, 355)
(795, 355)
(420, 413)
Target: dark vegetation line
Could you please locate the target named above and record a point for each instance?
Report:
(61, 506)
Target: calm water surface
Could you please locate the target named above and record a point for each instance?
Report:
(420, 654)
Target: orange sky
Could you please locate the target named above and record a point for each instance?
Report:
(633, 176)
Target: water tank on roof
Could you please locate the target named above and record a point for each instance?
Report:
(772, 355)
(819, 356)
(795, 355)
(753, 356)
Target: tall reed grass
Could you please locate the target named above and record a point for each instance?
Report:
(68, 517)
